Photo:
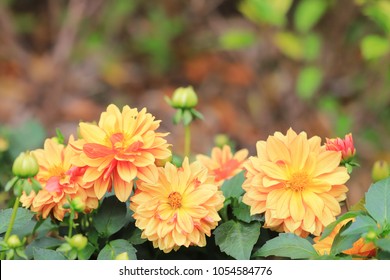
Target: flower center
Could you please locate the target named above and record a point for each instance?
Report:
(57, 171)
(298, 181)
(174, 199)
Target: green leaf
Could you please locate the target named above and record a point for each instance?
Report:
(289, 44)
(237, 239)
(374, 46)
(43, 243)
(233, 186)
(359, 206)
(136, 238)
(361, 225)
(23, 217)
(236, 39)
(384, 244)
(341, 243)
(87, 252)
(311, 46)
(383, 255)
(242, 212)
(287, 245)
(178, 116)
(60, 136)
(187, 117)
(116, 247)
(329, 228)
(308, 13)
(309, 81)
(378, 201)
(47, 254)
(380, 13)
(111, 216)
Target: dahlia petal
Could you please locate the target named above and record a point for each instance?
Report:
(197, 212)
(338, 191)
(101, 186)
(273, 170)
(94, 151)
(184, 221)
(282, 206)
(273, 198)
(318, 186)
(122, 188)
(126, 170)
(92, 133)
(331, 203)
(277, 150)
(144, 159)
(337, 177)
(91, 174)
(308, 221)
(165, 211)
(314, 202)
(261, 149)
(297, 209)
(327, 161)
(179, 238)
(291, 225)
(148, 174)
(197, 197)
(299, 151)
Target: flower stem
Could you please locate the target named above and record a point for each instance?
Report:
(11, 223)
(71, 218)
(187, 140)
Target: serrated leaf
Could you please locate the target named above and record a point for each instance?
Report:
(23, 217)
(116, 247)
(237, 239)
(308, 13)
(111, 216)
(329, 228)
(374, 46)
(287, 245)
(233, 186)
(242, 212)
(309, 81)
(47, 254)
(378, 201)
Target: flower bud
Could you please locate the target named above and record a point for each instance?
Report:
(184, 98)
(221, 140)
(380, 170)
(122, 256)
(346, 146)
(25, 165)
(371, 235)
(78, 242)
(77, 204)
(14, 241)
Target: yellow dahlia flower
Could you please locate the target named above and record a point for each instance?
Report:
(359, 248)
(296, 182)
(124, 145)
(179, 209)
(60, 182)
(223, 164)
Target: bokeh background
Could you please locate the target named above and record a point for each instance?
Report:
(258, 66)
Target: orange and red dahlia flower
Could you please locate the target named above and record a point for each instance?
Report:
(296, 182)
(223, 164)
(179, 209)
(124, 145)
(60, 182)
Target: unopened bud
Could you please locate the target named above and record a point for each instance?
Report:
(14, 241)
(122, 256)
(184, 98)
(77, 204)
(78, 241)
(25, 165)
(380, 170)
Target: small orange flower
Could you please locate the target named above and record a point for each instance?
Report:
(359, 248)
(295, 182)
(179, 209)
(345, 146)
(123, 146)
(60, 182)
(223, 164)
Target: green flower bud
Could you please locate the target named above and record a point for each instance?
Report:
(371, 235)
(78, 242)
(380, 170)
(14, 241)
(184, 98)
(25, 165)
(122, 256)
(221, 140)
(77, 204)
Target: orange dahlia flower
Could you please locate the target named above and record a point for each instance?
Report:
(223, 164)
(360, 248)
(295, 182)
(124, 145)
(60, 182)
(179, 209)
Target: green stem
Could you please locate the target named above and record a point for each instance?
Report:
(11, 223)
(71, 218)
(187, 140)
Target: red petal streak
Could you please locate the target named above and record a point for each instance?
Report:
(109, 169)
(93, 150)
(53, 184)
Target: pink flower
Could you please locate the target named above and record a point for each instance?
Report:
(345, 146)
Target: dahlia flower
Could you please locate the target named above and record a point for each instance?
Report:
(296, 182)
(223, 164)
(60, 182)
(345, 146)
(179, 209)
(124, 145)
(359, 248)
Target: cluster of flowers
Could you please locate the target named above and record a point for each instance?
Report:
(297, 182)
